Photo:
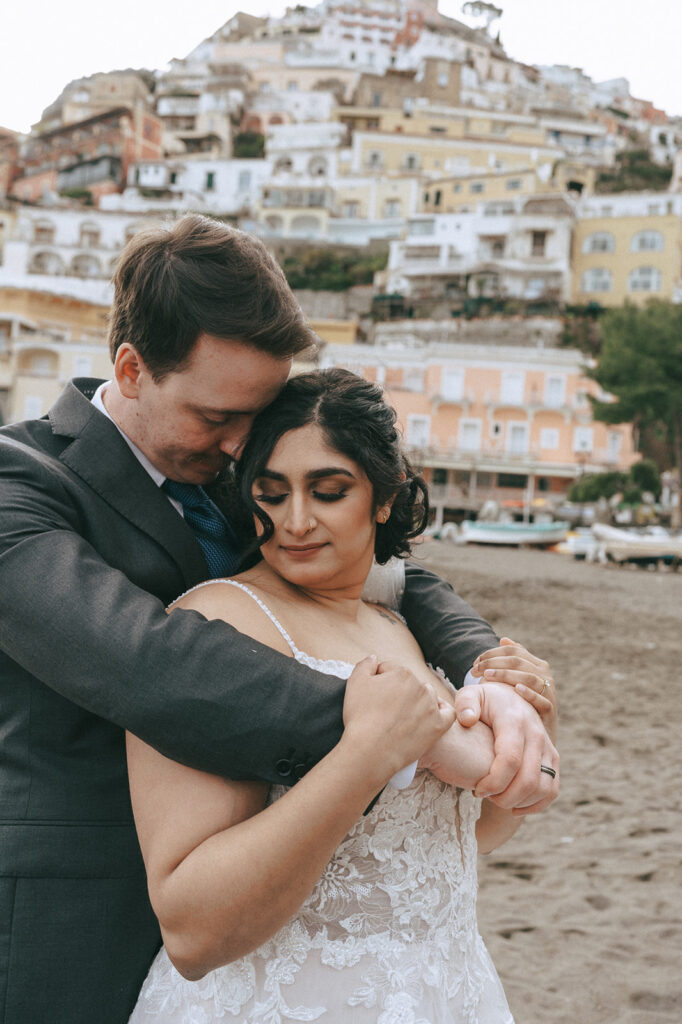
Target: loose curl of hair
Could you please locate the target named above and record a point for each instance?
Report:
(357, 422)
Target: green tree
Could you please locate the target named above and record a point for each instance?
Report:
(248, 146)
(641, 366)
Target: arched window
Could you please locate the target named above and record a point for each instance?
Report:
(284, 164)
(317, 167)
(85, 265)
(647, 241)
(596, 279)
(46, 263)
(305, 226)
(599, 241)
(645, 279)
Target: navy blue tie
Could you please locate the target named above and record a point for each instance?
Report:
(210, 527)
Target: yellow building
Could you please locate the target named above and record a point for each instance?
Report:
(437, 156)
(628, 248)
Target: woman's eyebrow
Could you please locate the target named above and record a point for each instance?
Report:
(314, 474)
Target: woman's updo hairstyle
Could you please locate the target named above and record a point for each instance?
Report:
(357, 422)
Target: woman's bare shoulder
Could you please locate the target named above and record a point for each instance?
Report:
(222, 599)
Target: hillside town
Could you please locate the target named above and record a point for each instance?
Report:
(439, 208)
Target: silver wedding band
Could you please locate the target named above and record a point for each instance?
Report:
(548, 771)
(546, 685)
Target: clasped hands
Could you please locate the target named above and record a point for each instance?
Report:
(519, 738)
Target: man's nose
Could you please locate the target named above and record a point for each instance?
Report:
(234, 437)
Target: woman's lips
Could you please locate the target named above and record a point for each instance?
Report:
(301, 550)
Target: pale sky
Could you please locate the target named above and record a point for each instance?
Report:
(44, 46)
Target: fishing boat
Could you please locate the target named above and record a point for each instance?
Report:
(537, 534)
(652, 545)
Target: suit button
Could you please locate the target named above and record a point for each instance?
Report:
(300, 770)
(283, 767)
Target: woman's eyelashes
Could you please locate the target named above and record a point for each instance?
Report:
(277, 499)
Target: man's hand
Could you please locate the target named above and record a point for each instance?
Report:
(521, 745)
(532, 678)
(391, 717)
(461, 756)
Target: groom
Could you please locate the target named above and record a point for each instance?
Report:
(101, 526)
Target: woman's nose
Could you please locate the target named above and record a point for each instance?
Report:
(299, 521)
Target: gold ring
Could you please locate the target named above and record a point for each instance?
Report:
(546, 685)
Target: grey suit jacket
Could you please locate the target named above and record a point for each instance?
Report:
(90, 554)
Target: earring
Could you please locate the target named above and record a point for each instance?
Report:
(383, 515)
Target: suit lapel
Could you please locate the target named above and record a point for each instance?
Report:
(100, 456)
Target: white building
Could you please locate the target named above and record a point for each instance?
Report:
(507, 250)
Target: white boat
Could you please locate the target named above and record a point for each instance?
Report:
(656, 544)
(516, 534)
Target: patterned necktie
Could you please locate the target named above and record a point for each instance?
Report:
(210, 527)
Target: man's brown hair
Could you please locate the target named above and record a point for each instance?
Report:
(201, 276)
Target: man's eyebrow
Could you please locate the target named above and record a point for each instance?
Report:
(207, 410)
(314, 474)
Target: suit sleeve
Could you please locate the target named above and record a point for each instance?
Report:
(448, 630)
(200, 692)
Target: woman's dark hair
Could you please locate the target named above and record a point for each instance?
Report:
(201, 276)
(357, 422)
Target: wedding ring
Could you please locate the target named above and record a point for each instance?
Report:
(549, 771)
(546, 685)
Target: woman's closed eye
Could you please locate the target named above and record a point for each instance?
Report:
(277, 499)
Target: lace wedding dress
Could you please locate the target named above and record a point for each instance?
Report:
(387, 936)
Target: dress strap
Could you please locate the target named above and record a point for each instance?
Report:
(261, 604)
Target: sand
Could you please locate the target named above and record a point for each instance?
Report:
(582, 909)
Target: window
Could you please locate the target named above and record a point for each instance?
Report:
(538, 243)
(457, 187)
(173, 180)
(374, 158)
(439, 476)
(82, 366)
(43, 231)
(392, 208)
(647, 241)
(517, 438)
(549, 438)
(244, 181)
(515, 480)
(555, 391)
(412, 161)
(513, 184)
(511, 392)
(452, 383)
(443, 79)
(376, 99)
(210, 181)
(470, 435)
(350, 209)
(436, 199)
(645, 279)
(477, 186)
(418, 430)
(33, 407)
(89, 236)
(413, 378)
(596, 279)
(599, 241)
(583, 440)
(614, 443)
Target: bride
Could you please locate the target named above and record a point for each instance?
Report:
(291, 904)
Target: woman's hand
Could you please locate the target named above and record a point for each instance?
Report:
(391, 717)
(530, 676)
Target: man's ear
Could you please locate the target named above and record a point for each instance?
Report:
(128, 367)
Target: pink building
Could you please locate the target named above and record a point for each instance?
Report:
(502, 422)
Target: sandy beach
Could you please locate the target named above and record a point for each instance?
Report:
(582, 909)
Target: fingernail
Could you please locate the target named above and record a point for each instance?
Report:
(489, 673)
(482, 794)
(468, 715)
